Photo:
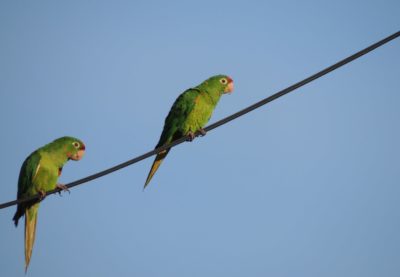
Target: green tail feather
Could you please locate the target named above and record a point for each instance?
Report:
(156, 164)
(30, 232)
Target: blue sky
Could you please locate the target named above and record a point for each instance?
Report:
(306, 186)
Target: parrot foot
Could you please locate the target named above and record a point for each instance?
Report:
(191, 136)
(42, 195)
(202, 132)
(61, 188)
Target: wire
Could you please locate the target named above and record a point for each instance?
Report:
(216, 124)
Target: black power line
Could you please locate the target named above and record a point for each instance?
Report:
(218, 123)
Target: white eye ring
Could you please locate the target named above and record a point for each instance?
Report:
(223, 81)
(76, 144)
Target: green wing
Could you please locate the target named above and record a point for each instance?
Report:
(28, 171)
(179, 112)
(25, 182)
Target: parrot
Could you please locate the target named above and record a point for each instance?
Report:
(39, 173)
(190, 113)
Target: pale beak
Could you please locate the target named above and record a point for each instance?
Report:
(78, 155)
(229, 87)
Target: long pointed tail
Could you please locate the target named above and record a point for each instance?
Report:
(30, 232)
(156, 164)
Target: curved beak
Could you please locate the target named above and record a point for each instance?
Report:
(78, 155)
(229, 87)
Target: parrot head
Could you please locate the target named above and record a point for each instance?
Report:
(72, 147)
(223, 83)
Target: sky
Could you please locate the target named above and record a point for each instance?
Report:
(305, 186)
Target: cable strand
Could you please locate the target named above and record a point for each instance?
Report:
(216, 124)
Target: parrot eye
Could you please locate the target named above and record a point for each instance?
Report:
(223, 81)
(76, 144)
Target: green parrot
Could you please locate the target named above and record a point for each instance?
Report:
(190, 113)
(39, 173)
